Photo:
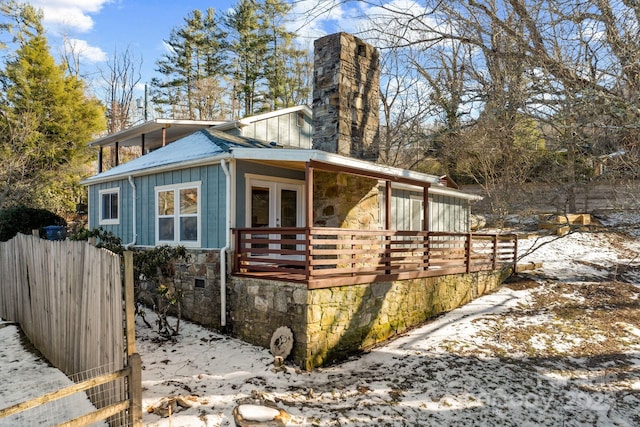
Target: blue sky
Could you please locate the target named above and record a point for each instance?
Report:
(97, 27)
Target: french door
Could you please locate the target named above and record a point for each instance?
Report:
(276, 204)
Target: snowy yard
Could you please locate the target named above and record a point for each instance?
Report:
(558, 347)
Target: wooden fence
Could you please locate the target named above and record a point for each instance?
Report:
(67, 298)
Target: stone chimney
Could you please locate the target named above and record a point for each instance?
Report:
(345, 96)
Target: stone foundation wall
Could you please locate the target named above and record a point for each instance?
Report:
(327, 324)
(258, 307)
(331, 324)
(345, 320)
(199, 281)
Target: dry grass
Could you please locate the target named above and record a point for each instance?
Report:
(579, 320)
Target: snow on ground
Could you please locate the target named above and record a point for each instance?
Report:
(22, 372)
(560, 346)
(533, 353)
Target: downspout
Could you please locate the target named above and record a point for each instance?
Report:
(133, 216)
(223, 251)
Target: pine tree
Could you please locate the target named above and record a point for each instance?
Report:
(285, 65)
(47, 121)
(196, 55)
(248, 46)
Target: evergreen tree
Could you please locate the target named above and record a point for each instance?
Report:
(248, 46)
(46, 120)
(285, 66)
(196, 55)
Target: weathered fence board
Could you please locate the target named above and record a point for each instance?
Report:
(67, 298)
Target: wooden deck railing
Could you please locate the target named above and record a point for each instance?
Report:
(323, 257)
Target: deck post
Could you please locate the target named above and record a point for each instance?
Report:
(387, 225)
(495, 252)
(307, 256)
(308, 194)
(425, 226)
(236, 258)
(467, 251)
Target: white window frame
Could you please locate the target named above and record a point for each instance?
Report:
(101, 194)
(176, 215)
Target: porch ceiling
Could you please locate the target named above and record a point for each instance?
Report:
(153, 133)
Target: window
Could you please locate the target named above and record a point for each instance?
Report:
(300, 119)
(109, 206)
(178, 214)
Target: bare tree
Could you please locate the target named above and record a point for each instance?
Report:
(121, 77)
(524, 89)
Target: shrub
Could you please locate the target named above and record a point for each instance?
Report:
(104, 239)
(21, 219)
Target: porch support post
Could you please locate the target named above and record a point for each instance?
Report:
(142, 144)
(164, 136)
(387, 225)
(387, 206)
(100, 153)
(117, 157)
(308, 195)
(425, 207)
(425, 226)
(308, 219)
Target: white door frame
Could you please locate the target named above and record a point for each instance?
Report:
(275, 185)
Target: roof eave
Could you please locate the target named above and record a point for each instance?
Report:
(97, 179)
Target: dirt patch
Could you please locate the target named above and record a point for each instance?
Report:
(520, 283)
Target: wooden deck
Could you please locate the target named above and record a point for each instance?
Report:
(325, 257)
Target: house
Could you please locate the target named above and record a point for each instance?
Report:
(343, 251)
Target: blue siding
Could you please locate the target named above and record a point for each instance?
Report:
(212, 196)
(123, 228)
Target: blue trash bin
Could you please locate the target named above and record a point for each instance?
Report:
(55, 232)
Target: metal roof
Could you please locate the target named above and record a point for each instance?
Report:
(209, 146)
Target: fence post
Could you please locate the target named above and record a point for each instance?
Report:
(129, 303)
(134, 382)
(135, 389)
(239, 251)
(426, 254)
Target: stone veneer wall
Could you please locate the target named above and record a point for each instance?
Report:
(344, 320)
(346, 201)
(200, 304)
(331, 324)
(258, 307)
(346, 96)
